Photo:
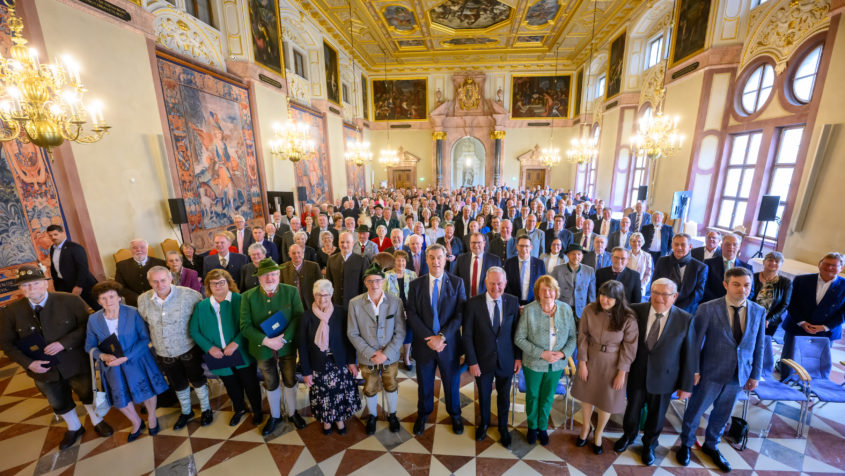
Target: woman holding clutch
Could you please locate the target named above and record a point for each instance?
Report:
(215, 327)
(131, 376)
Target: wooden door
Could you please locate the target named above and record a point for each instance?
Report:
(535, 177)
(402, 178)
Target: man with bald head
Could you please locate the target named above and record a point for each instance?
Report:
(132, 272)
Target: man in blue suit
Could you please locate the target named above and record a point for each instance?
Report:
(434, 312)
(730, 332)
(657, 236)
(472, 267)
(490, 321)
(536, 235)
(558, 231)
(817, 307)
(688, 273)
(416, 258)
(639, 218)
(522, 271)
(717, 265)
(224, 259)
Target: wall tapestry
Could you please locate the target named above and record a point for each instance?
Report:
(615, 62)
(310, 172)
(400, 99)
(356, 177)
(211, 129)
(691, 24)
(540, 96)
(266, 33)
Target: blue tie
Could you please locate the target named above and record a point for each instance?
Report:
(435, 318)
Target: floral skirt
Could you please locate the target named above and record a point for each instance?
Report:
(334, 395)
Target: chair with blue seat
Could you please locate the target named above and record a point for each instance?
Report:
(812, 365)
(770, 388)
(562, 388)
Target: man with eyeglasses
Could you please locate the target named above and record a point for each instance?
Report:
(619, 271)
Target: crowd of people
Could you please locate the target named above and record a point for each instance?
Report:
(494, 282)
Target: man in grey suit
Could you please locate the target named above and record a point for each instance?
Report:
(664, 364)
(536, 235)
(577, 281)
(730, 332)
(363, 245)
(376, 328)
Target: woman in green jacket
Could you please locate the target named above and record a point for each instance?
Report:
(546, 335)
(215, 327)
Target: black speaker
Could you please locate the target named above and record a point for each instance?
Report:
(301, 194)
(178, 215)
(768, 208)
(642, 192)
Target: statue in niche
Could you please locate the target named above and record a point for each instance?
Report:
(467, 162)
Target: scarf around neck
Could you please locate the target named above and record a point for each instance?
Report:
(321, 337)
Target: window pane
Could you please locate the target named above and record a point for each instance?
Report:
(790, 141)
(803, 88)
(781, 179)
(772, 229)
(753, 148)
(809, 65)
(725, 212)
(748, 101)
(764, 95)
(739, 216)
(747, 181)
(752, 85)
(738, 149)
(805, 75)
(732, 182)
(768, 76)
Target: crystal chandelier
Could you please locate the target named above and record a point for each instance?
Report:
(658, 136)
(582, 150)
(550, 156)
(291, 141)
(358, 152)
(43, 103)
(388, 158)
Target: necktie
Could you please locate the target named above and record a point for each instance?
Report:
(497, 317)
(604, 227)
(435, 317)
(637, 223)
(736, 325)
(474, 286)
(727, 264)
(37, 310)
(224, 262)
(654, 333)
(523, 279)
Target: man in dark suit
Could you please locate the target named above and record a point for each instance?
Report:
(454, 246)
(729, 332)
(688, 273)
(322, 225)
(288, 238)
(522, 271)
(558, 231)
(69, 266)
(490, 321)
(621, 237)
(817, 307)
(711, 247)
(280, 223)
(301, 274)
(276, 238)
(58, 320)
(435, 306)
(224, 259)
(658, 237)
(350, 197)
(639, 218)
(665, 363)
(462, 223)
(346, 271)
(585, 238)
(604, 225)
(416, 258)
(259, 236)
(717, 265)
(618, 271)
(599, 257)
(473, 228)
(242, 235)
(132, 273)
(396, 238)
(472, 267)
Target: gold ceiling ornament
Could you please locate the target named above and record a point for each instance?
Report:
(43, 104)
(784, 28)
(291, 140)
(469, 95)
(652, 91)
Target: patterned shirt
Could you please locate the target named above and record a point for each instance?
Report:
(168, 319)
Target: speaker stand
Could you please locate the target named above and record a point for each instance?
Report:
(759, 253)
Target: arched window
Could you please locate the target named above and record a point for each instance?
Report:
(805, 76)
(758, 88)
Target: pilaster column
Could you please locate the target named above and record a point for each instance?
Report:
(497, 156)
(438, 137)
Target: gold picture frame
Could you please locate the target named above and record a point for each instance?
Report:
(373, 94)
(558, 77)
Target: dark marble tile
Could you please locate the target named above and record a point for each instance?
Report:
(323, 446)
(493, 466)
(452, 462)
(391, 440)
(56, 460)
(414, 463)
(165, 445)
(354, 460)
(285, 456)
(181, 467)
(229, 450)
(312, 471)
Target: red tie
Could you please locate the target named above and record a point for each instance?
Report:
(474, 287)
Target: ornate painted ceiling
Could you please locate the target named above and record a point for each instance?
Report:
(441, 35)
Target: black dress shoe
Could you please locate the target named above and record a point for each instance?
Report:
(457, 425)
(597, 449)
(480, 432)
(371, 425)
(207, 418)
(717, 458)
(236, 418)
(648, 455)
(340, 431)
(257, 418)
(543, 437)
(580, 442)
(327, 431)
(393, 423)
(419, 425)
(103, 429)
(183, 420)
(531, 436)
(270, 427)
(682, 455)
(297, 420)
(505, 440)
(134, 436)
(71, 437)
(154, 430)
(621, 444)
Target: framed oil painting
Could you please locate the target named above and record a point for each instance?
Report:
(579, 91)
(266, 34)
(332, 73)
(615, 64)
(400, 99)
(535, 97)
(365, 98)
(691, 22)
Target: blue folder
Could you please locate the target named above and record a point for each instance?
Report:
(275, 325)
(225, 362)
(33, 347)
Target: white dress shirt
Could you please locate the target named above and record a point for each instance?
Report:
(57, 254)
(431, 279)
(655, 241)
(652, 316)
(821, 288)
(490, 308)
(709, 254)
(216, 306)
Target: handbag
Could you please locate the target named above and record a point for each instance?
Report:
(738, 432)
(101, 400)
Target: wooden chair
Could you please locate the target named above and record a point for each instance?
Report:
(169, 245)
(122, 254)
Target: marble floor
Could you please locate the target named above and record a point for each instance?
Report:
(29, 436)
